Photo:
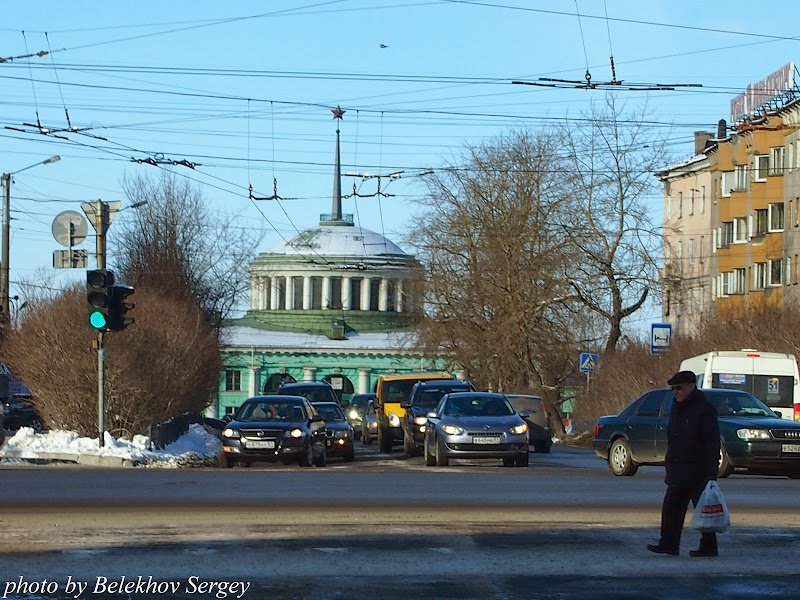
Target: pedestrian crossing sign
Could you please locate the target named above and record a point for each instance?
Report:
(589, 362)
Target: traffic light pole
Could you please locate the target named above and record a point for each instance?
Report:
(101, 224)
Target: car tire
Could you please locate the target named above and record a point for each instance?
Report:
(36, 425)
(366, 438)
(543, 448)
(307, 458)
(242, 464)
(430, 459)
(225, 462)
(509, 462)
(725, 467)
(523, 460)
(351, 455)
(408, 447)
(620, 459)
(322, 459)
(384, 442)
(442, 460)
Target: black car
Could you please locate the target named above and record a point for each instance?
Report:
(752, 436)
(275, 428)
(340, 433)
(369, 425)
(355, 412)
(425, 397)
(315, 391)
(538, 419)
(18, 411)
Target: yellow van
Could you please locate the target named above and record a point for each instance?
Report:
(391, 390)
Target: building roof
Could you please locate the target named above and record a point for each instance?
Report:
(336, 240)
(241, 338)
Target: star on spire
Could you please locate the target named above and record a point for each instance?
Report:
(337, 112)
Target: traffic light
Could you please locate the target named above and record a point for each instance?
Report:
(99, 284)
(119, 307)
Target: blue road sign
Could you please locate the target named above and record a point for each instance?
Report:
(660, 337)
(589, 362)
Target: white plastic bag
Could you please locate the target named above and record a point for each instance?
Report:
(711, 513)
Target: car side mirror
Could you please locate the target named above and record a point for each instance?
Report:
(405, 404)
(525, 414)
(317, 419)
(227, 418)
(777, 412)
(432, 415)
(345, 403)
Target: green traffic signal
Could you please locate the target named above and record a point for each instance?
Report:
(97, 320)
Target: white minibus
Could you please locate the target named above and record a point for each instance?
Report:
(771, 377)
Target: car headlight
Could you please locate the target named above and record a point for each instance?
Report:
(295, 433)
(353, 414)
(394, 420)
(519, 428)
(231, 433)
(343, 434)
(753, 434)
(420, 420)
(452, 429)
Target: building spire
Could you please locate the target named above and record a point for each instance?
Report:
(336, 208)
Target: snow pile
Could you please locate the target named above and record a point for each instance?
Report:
(195, 446)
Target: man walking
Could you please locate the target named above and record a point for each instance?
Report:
(692, 461)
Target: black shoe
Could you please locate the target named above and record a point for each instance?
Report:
(703, 552)
(659, 549)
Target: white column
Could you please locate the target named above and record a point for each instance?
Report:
(252, 299)
(273, 293)
(363, 380)
(326, 292)
(289, 292)
(309, 373)
(398, 296)
(253, 384)
(383, 295)
(346, 283)
(262, 293)
(306, 293)
(365, 290)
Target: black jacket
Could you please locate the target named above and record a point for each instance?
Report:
(692, 442)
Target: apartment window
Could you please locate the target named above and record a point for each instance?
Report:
(680, 204)
(702, 249)
(702, 199)
(740, 230)
(776, 216)
(794, 270)
(797, 212)
(233, 380)
(790, 156)
(788, 277)
(733, 282)
(724, 284)
(762, 220)
(728, 183)
(760, 167)
(726, 237)
(776, 161)
(691, 202)
(691, 251)
(740, 178)
(759, 276)
(776, 271)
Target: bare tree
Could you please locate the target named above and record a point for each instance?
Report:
(611, 156)
(175, 242)
(497, 297)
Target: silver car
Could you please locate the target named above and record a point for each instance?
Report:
(476, 425)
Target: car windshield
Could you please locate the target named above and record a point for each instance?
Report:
(478, 406)
(271, 410)
(530, 403)
(314, 394)
(360, 401)
(429, 397)
(739, 405)
(330, 412)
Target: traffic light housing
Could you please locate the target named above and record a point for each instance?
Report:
(120, 307)
(99, 285)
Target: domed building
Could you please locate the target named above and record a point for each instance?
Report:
(334, 303)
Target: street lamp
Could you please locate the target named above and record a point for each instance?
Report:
(6, 183)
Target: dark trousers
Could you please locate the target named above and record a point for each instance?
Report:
(673, 513)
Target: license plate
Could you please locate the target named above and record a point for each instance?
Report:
(790, 448)
(266, 444)
(486, 440)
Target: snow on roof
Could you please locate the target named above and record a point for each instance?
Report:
(334, 240)
(250, 336)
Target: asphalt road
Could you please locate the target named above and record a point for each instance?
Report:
(384, 527)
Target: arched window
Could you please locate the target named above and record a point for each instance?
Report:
(275, 380)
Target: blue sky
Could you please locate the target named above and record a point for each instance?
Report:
(244, 90)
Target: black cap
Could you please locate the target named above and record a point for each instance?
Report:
(682, 377)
